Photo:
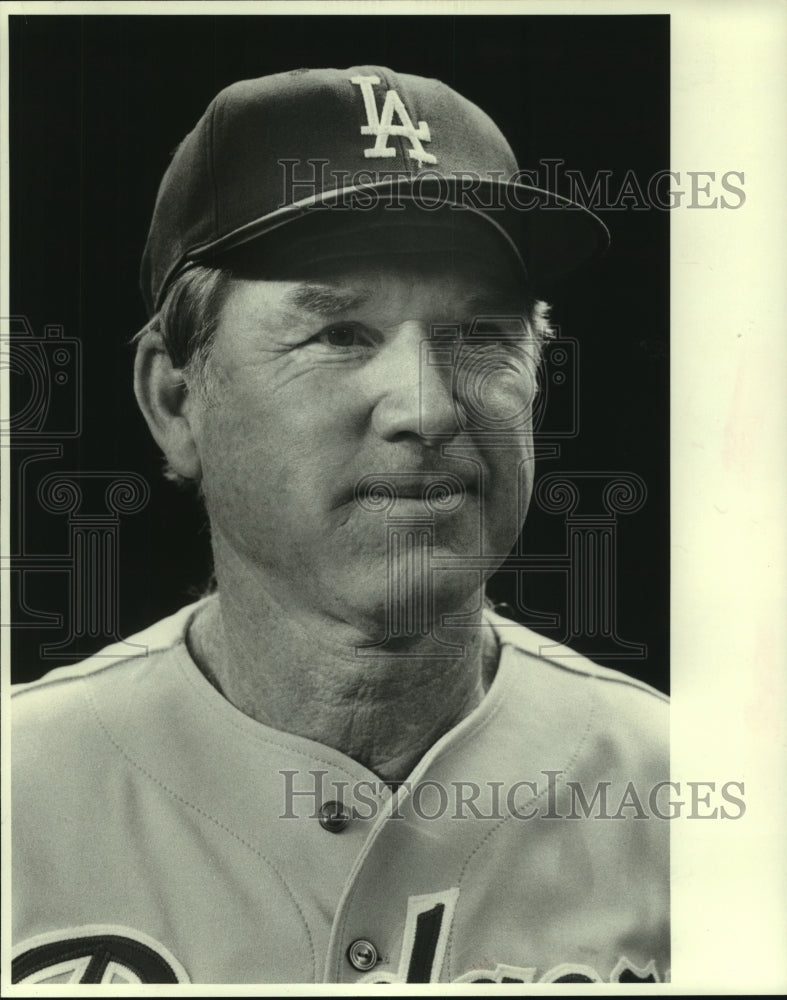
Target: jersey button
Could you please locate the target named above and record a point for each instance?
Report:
(362, 955)
(333, 817)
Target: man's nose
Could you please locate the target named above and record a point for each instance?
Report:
(414, 388)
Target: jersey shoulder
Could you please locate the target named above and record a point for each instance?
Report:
(623, 716)
(564, 659)
(155, 638)
(53, 718)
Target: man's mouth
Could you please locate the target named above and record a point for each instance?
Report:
(439, 492)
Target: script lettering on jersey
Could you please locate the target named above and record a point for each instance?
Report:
(427, 925)
(381, 125)
(567, 972)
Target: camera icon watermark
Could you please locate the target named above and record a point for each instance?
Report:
(65, 522)
(556, 409)
(504, 383)
(45, 381)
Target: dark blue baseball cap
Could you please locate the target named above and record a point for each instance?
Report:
(324, 143)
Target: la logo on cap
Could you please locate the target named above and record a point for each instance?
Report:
(382, 126)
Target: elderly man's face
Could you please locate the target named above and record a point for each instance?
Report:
(354, 368)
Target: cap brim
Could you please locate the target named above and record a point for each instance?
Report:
(548, 233)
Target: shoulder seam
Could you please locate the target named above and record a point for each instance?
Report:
(83, 671)
(621, 678)
(44, 682)
(593, 671)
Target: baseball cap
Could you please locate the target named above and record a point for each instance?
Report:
(333, 144)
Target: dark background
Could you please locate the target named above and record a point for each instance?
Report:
(96, 106)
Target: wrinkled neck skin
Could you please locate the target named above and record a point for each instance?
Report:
(300, 671)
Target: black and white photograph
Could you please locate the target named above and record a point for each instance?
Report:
(350, 551)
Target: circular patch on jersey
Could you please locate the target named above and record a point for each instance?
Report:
(99, 953)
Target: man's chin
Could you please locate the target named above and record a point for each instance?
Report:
(405, 603)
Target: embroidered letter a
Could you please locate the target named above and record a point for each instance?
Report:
(382, 126)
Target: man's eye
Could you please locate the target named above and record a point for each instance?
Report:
(343, 335)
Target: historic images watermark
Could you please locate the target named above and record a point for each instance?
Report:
(547, 795)
(551, 185)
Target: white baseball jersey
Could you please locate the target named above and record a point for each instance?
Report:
(160, 835)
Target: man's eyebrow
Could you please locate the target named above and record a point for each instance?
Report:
(324, 300)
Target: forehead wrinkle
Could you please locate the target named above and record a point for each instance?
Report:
(324, 300)
(487, 296)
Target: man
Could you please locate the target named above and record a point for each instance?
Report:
(342, 766)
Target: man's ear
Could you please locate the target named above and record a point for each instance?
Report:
(165, 403)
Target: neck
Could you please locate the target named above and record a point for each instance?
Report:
(301, 672)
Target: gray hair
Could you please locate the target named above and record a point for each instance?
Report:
(188, 319)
